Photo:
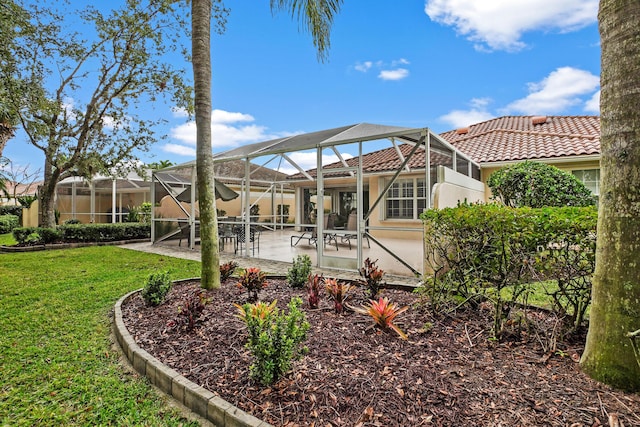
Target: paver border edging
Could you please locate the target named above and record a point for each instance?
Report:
(196, 398)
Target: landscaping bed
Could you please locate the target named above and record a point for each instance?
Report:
(450, 372)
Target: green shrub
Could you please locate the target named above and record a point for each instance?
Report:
(105, 232)
(37, 235)
(538, 185)
(27, 201)
(144, 213)
(8, 223)
(300, 271)
(477, 251)
(275, 338)
(72, 221)
(156, 289)
(11, 210)
(83, 233)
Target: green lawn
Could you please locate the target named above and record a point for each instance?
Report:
(56, 362)
(7, 240)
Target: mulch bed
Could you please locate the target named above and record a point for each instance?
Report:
(449, 372)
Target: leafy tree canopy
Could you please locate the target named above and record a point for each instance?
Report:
(538, 185)
(79, 83)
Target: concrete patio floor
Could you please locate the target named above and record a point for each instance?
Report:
(276, 246)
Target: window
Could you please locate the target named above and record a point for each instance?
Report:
(406, 199)
(590, 178)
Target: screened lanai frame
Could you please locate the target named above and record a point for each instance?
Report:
(431, 143)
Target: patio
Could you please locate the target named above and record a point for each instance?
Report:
(276, 246)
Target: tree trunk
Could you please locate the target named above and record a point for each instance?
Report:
(47, 196)
(615, 307)
(6, 133)
(201, 53)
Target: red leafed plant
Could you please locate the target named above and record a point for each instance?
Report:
(313, 290)
(191, 308)
(338, 292)
(372, 276)
(383, 313)
(252, 279)
(227, 269)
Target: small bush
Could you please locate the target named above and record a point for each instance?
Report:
(8, 223)
(383, 314)
(538, 185)
(191, 308)
(275, 338)
(339, 293)
(11, 210)
(252, 279)
(27, 201)
(299, 272)
(372, 276)
(156, 289)
(313, 290)
(72, 221)
(227, 269)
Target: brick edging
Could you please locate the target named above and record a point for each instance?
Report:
(196, 398)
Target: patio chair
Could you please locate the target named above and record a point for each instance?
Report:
(226, 233)
(241, 240)
(312, 235)
(352, 225)
(185, 232)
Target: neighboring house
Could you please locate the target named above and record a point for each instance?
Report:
(16, 190)
(108, 199)
(571, 143)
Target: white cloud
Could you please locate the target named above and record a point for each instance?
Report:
(499, 24)
(221, 116)
(593, 104)
(393, 70)
(400, 61)
(477, 113)
(363, 66)
(558, 91)
(307, 160)
(228, 129)
(397, 74)
(181, 150)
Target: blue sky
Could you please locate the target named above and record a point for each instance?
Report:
(440, 64)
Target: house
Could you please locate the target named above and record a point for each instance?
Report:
(571, 143)
(109, 199)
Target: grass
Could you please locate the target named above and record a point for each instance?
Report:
(57, 364)
(7, 240)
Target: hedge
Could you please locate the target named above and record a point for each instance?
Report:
(72, 233)
(8, 223)
(478, 250)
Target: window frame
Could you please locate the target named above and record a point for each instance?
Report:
(415, 189)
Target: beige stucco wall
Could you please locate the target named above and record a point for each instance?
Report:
(30, 215)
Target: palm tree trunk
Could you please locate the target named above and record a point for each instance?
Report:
(201, 53)
(615, 307)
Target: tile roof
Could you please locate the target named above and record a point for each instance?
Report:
(503, 139)
(511, 138)
(378, 161)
